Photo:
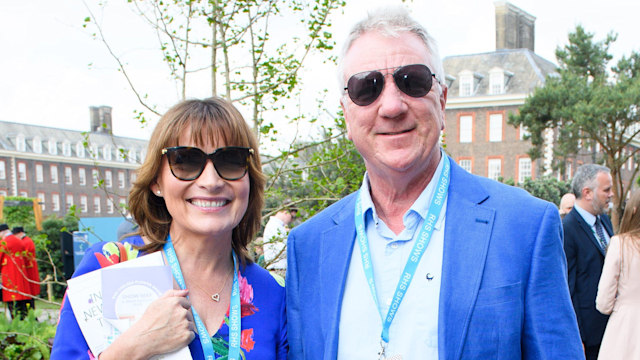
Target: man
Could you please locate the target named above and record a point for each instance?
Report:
(458, 266)
(15, 287)
(587, 230)
(274, 235)
(30, 262)
(566, 204)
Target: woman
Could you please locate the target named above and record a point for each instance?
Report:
(198, 198)
(619, 288)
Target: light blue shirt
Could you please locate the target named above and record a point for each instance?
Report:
(414, 331)
(590, 219)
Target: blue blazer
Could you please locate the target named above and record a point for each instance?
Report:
(585, 259)
(504, 291)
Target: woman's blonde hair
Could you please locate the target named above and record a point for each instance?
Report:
(630, 224)
(211, 120)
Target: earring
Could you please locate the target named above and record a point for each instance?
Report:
(158, 192)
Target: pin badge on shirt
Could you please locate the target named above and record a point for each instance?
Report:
(429, 277)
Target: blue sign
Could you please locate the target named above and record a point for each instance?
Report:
(80, 245)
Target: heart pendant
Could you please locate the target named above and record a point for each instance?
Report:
(215, 297)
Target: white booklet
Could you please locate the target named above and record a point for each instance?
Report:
(108, 300)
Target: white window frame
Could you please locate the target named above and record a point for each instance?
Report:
(52, 144)
(108, 178)
(524, 169)
(466, 83)
(121, 180)
(494, 168)
(20, 143)
(22, 171)
(96, 204)
(495, 127)
(82, 176)
(466, 164)
(496, 81)
(3, 170)
(466, 129)
(37, 144)
(55, 202)
(83, 204)
(80, 149)
(66, 148)
(68, 175)
(95, 175)
(39, 173)
(41, 200)
(68, 201)
(106, 152)
(53, 169)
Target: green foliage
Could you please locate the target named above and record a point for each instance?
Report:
(25, 339)
(547, 188)
(588, 105)
(49, 251)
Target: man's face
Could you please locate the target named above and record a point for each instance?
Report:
(396, 133)
(603, 193)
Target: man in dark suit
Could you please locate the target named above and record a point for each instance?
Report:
(587, 230)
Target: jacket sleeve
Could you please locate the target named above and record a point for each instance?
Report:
(294, 323)
(550, 328)
(608, 286)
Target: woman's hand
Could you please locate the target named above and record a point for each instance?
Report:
(167, 325)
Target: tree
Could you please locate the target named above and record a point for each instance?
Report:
(590, 106)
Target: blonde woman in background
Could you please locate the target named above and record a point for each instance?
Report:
(619, 288)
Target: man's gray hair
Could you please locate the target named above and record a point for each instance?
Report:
(586, 177)
(391, 21)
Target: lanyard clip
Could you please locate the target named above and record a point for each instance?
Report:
(383, 347)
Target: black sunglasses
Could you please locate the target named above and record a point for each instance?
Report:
(414, 80)
(187, 163)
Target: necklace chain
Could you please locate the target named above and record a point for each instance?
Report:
(215, 296)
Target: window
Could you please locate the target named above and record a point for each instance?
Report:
(3, 170)
(96, 204)
(82, 175)
(23, 193)
(55, 202)
(37, 145)
(110, 207)
(68, 177)
(39, 173)
(121, 179)
(133, 178)
(108, 178)
(132, 155)
(523, 132)
(524, 169)
(495, 127)
(122, 154)
(496, 81)
(53, 147)
(96, 177)
(83, 203)
(93, 149)
(494, 169)
(466, 83)
(106, 152)
(80, 149)
(465, 164)
(122, 203)
(569, 170)
(69, 202)
(20, 143)
(3, 192)
(41, 200)
(54, 174)
(66, 148)
(22, 171)
(466, 128)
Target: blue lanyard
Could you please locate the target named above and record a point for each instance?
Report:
(437, 202)
(234, 309)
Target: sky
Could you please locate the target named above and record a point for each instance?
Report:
(52, 70)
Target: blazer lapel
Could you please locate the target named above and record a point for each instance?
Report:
(589, 232)
(466, 241)
(336, 249)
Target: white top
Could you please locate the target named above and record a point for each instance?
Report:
(275, 237)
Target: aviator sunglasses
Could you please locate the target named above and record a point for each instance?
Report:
(187, 163)
(414, 80)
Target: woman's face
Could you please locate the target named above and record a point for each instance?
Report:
(208, 206)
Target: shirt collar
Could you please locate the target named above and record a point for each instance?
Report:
(587, 216)
(420, 206)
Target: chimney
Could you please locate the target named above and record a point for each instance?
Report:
(100, 119)
(515, 29)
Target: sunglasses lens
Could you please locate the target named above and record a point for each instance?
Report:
(231, 163)
(413, 80)
(186, 163)
(364, 88)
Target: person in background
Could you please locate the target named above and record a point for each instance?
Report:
(16, 291)
(587, 230)
(425, 261)
(619, 288)
(198, 198)
(30, 262)
(566, 204)
(274, 240)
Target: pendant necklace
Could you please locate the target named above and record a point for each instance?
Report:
(215, 296)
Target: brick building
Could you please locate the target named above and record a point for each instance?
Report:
(91, 170)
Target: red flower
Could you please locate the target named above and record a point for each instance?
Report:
(246, 297)
(247, 339)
